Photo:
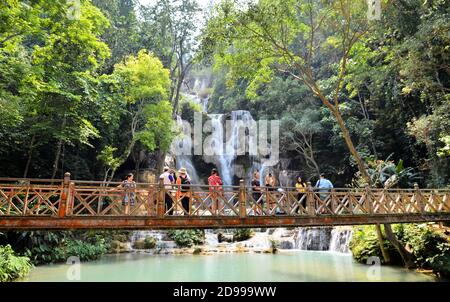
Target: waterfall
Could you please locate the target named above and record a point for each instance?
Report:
(185, 160)
(226, 149)
(211, 238)
(313, 238)
(340, 240)
(324, 239)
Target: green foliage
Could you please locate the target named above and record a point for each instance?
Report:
(242, 234)
(364, 244)
(429, 247)
(49, 247)
(387, 174)
(187, 238)
(12, 266)
(149, 242)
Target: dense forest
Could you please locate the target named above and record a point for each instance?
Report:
(93, 89)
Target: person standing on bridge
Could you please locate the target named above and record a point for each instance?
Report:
(129, 195)
(168, 181)
(215, 189)
(183, 192)
(300, 186)
(324, 186)
(257, 195)
(270, 186)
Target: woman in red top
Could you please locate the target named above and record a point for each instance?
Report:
(215, 189)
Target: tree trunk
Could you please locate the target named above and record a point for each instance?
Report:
(30, 155)
(407, 257)
(385, 254)
(161, 158)
(58, 150)
(57, 156)
(177, 96)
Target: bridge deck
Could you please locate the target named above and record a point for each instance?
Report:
(66, 204)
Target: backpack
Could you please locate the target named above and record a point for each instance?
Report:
(184, 181)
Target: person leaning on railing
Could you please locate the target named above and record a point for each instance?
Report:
(168, 181)
(215, 189)
(323, 185)
(256, 193)
(183, 191)
(300, 187)
(129, 193)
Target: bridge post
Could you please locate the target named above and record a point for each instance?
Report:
(64, 196)
(242, 206)
(310, 199)
(419, 198)
(369, 200)
(333, 201)
(160, 199)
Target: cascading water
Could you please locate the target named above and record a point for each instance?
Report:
(225, 153)
(340, 240)
(324, 239)
(183, 160)
(316, 239)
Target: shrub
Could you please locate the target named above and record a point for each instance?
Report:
(49, 247)
(187, 238)
(430, 248)
(12, 266)
(242, 234)
(364, 244)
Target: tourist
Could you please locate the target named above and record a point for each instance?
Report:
(215, 189)
(172, 176)
(270, 186)
(183, 192)
(300, 187)
(256, 193)
(168, 181)
(324, 186)
(129, 195)
(270, 181)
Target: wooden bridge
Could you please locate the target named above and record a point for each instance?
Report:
(68, 204)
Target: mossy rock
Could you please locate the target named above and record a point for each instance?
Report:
(149, 242)
(145, 244)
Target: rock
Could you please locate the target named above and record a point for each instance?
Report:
(224, 237)
(119, 247)
(287, 245)
(139, 245)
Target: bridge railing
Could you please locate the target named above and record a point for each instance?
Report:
(74, 198)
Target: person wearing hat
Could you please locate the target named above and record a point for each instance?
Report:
(168, 181)
(183, 193)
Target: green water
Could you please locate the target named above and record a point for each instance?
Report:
(285, 266)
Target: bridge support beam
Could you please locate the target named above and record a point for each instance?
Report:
(182, 222)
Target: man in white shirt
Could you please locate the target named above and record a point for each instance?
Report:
(167, 180)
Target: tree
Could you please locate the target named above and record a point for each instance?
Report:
(291, 37)
(140, 86)
(169, 30)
